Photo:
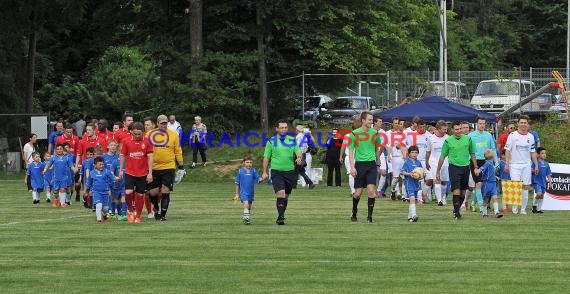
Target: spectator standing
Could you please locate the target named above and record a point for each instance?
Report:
(198, 143)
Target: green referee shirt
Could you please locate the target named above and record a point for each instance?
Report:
(368, 143)
(458, 150)
(281, 152)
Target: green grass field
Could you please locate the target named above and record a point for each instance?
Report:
(204, 247)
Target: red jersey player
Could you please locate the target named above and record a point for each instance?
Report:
(136, 164)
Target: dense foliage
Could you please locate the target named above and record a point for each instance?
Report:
(105, 57)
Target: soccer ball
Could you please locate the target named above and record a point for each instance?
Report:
(418, 173)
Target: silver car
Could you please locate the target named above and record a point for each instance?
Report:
(342, 110)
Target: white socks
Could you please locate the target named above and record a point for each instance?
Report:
(61, 198)
(438, 192)
(524, 199)
(99, 211)
(412, 210)
(381, 183)
(496, 207)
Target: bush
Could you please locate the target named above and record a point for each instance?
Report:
(554, 137)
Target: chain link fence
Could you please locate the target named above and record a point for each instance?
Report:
(388, 89)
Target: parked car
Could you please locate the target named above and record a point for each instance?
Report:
(342, 110)
(496, 96)
(313, 105)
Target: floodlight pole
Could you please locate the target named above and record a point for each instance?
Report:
(303, 96)
(568, 44)
(443, 44)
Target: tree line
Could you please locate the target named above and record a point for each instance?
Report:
(213, 58)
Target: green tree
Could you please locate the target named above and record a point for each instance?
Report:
(122, 79)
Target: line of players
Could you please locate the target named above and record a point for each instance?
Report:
(113, 183)
(516, 149)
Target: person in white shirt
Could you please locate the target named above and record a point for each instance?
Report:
(305, 171)
(520, 153)
(397, 150)
(381, 160)
(419, 137)
(173, 124)
(433, 152)
(356, 123)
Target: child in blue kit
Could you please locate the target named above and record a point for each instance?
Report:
(110, 158)
(489, 185)
(502, 176)
(61, 166)
(35, 174)
(541, 181)
(412, 184)
(99, 182)
(71, 173)
(118, 192)
(48, 178)
(245, 181)
(83, 175)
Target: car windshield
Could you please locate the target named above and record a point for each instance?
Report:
(497, 88)
(438, 90)
(312, 102)
(357, 103)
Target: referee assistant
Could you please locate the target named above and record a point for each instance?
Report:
(458, 149)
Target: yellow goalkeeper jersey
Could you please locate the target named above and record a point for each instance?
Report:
(167, 151)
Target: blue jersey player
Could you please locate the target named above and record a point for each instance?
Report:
(61, 166)
(99, 182)
(48, 178)
(541, 181)
(245, 181)
(118, 192)
(489, 184)
(35, 174)
(412, 184)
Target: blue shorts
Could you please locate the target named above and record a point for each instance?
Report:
(413, 194)
(489, 189)
(48, 185)
(246, 198)
(37, 189)
(538, 188)
(58, 184)
(118, 193)
(99, 197)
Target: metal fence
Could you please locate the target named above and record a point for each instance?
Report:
(388, 89)
(406, 83)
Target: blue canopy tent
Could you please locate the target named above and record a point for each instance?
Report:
(433, 108)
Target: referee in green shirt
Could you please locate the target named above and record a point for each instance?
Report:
(281, 150)
(458, 149)
(363, 152)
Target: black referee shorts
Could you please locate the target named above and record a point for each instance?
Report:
(284, 180)
(459, 177)
(366, 174)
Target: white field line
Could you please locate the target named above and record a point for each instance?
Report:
(43, 220)
(285, 262)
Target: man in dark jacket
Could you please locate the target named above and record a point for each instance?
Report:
(333, 159)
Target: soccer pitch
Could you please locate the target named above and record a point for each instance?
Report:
(205, 248)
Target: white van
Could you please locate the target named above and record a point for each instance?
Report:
(496, 96)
